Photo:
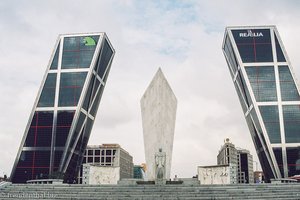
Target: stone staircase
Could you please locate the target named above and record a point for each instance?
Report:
(149, 192)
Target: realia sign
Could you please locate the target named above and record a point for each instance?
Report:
(251, 34)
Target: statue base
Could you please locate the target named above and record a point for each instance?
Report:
(160, 182)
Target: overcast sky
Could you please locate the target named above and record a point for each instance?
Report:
(184, 38)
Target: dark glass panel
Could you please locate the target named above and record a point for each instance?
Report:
(262, 80)
(41, 173)
(78, 51)
(78, 146)
(230, 55)
(54, 63)
(278, 156)
(280, 56)
(86, 102)
(97, 159)
(21, 175)
(75, 135)
(258, 130)
(32, 165)
(265, 165)
(97, 152)
(291, 119)
(64, 122)
(261, 152)
(29, 142)
(90, 160)
(288, 88)
(254, 45)
(73, 169)
(97, 101)
(244, 91)
(42, 159)
(86, 136)
(103, 61)
(40, 130)
(57, 159)
(242, 101)
(270, 117)
(293, 160)
(108, 159)
(44, 137)
(97, 83)
(71, 85)
(48, 92)
(77, 129)
(26, 159)
(244, 166)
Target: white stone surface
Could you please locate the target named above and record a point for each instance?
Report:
(214, 175)
(158, 106)
(96, 175)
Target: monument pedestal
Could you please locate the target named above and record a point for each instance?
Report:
(161, 182)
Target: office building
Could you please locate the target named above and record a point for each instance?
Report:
(158, 106)
(63, 114)
(245, 166)
(265, 83)
(107, 155)
(240, 161)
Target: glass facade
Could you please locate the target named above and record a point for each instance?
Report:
(268, 94)
(48, 93)
(262, 80)
(62, 119)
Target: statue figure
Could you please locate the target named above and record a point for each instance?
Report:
(160, 163)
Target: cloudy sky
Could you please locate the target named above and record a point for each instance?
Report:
(184, 38)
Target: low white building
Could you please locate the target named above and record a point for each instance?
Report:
(96, 174)
(105, 159)
(216, 174)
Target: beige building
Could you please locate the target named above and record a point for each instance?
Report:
(105, 156)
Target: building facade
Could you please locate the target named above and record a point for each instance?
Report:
(240, 161)
(269, 96)
(63, 114)
(158, 106)
(108, 155)
(245, 166)
(228, 156)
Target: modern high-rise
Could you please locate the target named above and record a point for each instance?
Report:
(65, 108)
(269, 96)
(240, 162)
(158, 106)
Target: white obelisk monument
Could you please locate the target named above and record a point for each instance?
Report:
(158, 106)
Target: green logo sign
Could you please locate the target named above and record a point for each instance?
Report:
(88, 41)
